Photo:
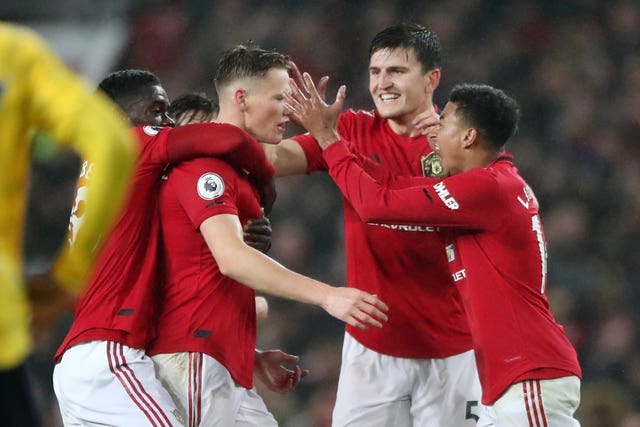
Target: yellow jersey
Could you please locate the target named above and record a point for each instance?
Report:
(37, 91)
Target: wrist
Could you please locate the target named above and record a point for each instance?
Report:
(327, 138)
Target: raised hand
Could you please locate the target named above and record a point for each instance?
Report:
(355, 307)
(308, 108)
(426, 121)
(269, 370)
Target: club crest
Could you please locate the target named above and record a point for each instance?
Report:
(431, 165)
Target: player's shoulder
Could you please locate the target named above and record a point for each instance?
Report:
(149, 135)
(365, 115)
(352, 120)
(148, 131)
(201, 165)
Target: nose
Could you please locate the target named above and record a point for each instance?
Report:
(384, 81)
(167, 120)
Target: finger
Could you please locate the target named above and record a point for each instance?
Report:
(340, 96)
(373, 312)
(297, 76)
(353, 321)
(375, 301)
(257, 225)
(365, 318)
(294, 99)
(372, 321)
(263, 220)
(296, 93)
(322, 86)
(289, 358)
(376, 313)
(296, 377)
(258, 232)
(313, 92)
(304, 373)
(256, 238)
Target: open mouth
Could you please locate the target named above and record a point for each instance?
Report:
(389, 97)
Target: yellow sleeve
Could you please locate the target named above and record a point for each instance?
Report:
(77, 116)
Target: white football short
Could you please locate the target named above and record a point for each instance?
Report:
(376, 390)
(206, 393)
(536, 403)
(100, 383)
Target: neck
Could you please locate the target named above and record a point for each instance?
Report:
(232, 117)
(482, 159)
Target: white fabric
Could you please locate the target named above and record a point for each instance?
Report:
(206, 393)
(376, 390)
(536, 403)
(100, 383)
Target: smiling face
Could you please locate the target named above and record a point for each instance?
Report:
(398, 85)
(264, 110)
(451, 139)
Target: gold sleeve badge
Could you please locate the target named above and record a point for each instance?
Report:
(431, 165)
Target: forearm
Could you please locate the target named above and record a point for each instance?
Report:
(268, 276)
(287, 157)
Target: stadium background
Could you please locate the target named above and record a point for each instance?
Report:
(574, 65)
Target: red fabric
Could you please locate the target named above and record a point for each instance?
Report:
(120, 297)
(405, 266)
(203, 310)
(497, 256)
(220, 140)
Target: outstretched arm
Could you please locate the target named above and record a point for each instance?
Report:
(223, 234)
(414, 200)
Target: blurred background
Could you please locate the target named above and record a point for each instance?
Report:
(574, 65)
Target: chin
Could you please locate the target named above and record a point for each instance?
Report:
(389, 112)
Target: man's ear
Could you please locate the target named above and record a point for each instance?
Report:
(240, 98)
(433, 80)
(470, 137)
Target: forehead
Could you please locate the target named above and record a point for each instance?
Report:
(156, 93)
(449, 111)
(276, 80)
(149, 95)
(398, 56)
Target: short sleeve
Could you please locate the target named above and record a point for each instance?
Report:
(205, 187)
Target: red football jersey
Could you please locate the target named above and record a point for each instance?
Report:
(405, 266)
(497, 257)
(203, 310)
(119, 300)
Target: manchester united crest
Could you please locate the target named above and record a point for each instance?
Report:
(431, 165)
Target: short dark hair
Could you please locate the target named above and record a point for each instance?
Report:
(248, 60)
(197, 102)
(493, 113)
(122, 84)
(409, 35)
